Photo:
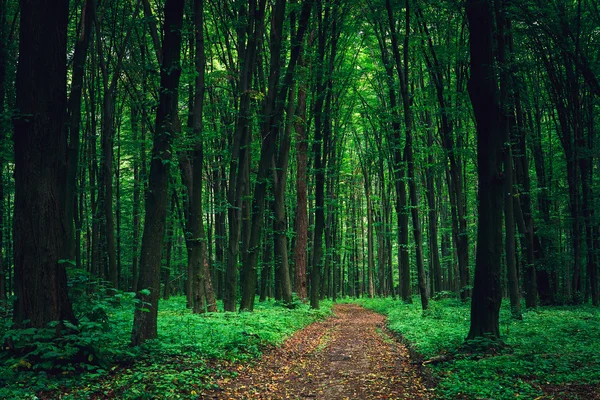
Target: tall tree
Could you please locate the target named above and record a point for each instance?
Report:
(88, 15)
(249, 30)
(484, 94)
(402, 71)
(3, 59)
(157, 194)
(40, 140)
(301, 193)
(273, 111)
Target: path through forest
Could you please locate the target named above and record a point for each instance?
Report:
(347, 356)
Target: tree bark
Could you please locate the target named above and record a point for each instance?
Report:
(301, 194)
(144, 325)
(273, 112)
(3, 58)
(88, 15)
(280, 223)
(483, 91)
(402, 70)
(238, 170)
(506, 116)
(40, 145)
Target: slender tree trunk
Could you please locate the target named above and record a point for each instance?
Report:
(94, 191)
(135, 125)
(433, 217)
(280, 223)
(506, 116)
(544, 272)
(301, 194)
(402, 70)
(238, 171)
(267, 267)
(88, 15)
(273, 112)
(454, 176)
(320, 154)
(200, 284)
(144, 325)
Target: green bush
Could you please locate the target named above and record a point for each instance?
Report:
(94, 359)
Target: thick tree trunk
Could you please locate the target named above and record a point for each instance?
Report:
(3, 58)
(40, 144)
(483, 90)
(144, 324)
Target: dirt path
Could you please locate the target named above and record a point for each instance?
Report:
(348, 356)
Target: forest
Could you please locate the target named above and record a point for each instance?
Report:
(193, 193)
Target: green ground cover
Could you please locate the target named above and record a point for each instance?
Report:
(550, 346)
(95, 360)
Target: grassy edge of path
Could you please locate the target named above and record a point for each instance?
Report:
(191, 352)
(553, 350)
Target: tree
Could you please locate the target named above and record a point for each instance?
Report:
(157, 194)
(40, 140)
(484, 93)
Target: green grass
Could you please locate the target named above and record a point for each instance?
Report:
(551, 345)
(187, 357)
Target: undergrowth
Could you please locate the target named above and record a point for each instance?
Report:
(94, 359)
(550, 346)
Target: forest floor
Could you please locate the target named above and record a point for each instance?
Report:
(348, 356)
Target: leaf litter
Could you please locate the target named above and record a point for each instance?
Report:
(348, 356)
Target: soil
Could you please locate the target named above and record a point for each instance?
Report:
(347, 356)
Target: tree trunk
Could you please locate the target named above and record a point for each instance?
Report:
(483, 91)
(88, 15)
(506, 116)
(280, 223)
(433, 217)
(3, 58)
(273, 112)
(453, 177)
(144, 325)
(301, 194)
(320, 154)
(402, 70)
(135, 125)
(238, 170)
(40, 145)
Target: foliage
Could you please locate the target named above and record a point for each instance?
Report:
(94, 357)
(550, 346)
